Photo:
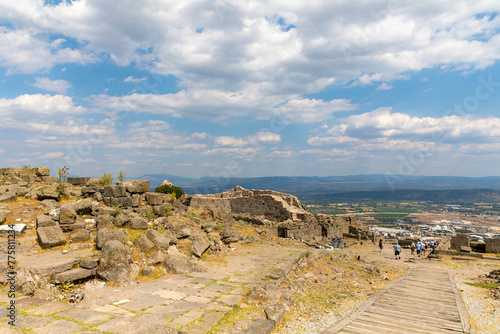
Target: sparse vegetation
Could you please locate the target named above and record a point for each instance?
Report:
(66, 287)
(62, 174)
(106, 179)
(490, 285)
(151, 214)
(170, 189)
(121, 176)
(117, 210)
(168, 211)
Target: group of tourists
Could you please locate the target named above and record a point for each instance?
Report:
(421, 248)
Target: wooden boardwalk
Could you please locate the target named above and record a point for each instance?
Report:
(422, 301)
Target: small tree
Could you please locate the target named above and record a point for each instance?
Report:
(121, 176)
(106, 179)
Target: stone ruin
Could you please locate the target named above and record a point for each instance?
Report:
(294, 220)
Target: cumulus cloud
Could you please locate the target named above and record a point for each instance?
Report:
(58, 86)
(134, 80)
(39, 104)
(52, 155)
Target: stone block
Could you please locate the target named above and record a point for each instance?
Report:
(78, 181)
(260, 326)
(154, 198)
(83, 206)
(88, 263)
(105, 234)
(114, 191)
(42, 171)
(73, 275)
(137, 186)
(79, 236)
(50, 236)
(138, 223)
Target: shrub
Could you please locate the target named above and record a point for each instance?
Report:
(170, 189)
(151, 215)
(167, 211)
(121, 176)
(106, 179)
(117, 211)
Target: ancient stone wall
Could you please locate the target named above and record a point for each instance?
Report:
(492, 245)
(459, 240)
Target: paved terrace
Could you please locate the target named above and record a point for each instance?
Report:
(424, 301)
(192, 303)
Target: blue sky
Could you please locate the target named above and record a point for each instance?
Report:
(251, 88)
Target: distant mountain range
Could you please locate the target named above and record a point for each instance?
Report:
(351, 187)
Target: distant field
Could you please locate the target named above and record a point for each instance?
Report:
(383, 214)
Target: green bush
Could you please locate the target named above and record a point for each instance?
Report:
(121, 176)
(170, 189)
(117, 211)
(106, 179)
(151, 215)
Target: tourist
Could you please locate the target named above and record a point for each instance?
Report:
(380, 245)
(413, 247)
(423, 248)
(432, 244)
(419, 247)
(397, 251)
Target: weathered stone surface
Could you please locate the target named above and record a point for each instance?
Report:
(161, 241)
(73, 275)
(138, 223)
(154, 198)
(79, 236)
(88, 263)
(143, 243)
(183, 233)
(114, 191)
(275, 313)
(136, 200)
(137, 186)
(179, 263)
(48, 269)
(200, 245)
(156, 258)
(42, 171)
(67, 214)
(147, 271)
(104, 221)
(260, 326)
(122, 219)
(465, 249)
(114, 262)
(51, 204)
(229, 235)
(78, 181)
(105, 234)
(83, 207)
(8, 197)
(50, 236)
(4, 214)
(209, 226)
(18, 229)
(258, 295)
(48, 194)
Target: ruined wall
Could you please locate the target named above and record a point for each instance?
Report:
(492, 245)
(264, 204)
(459, 240)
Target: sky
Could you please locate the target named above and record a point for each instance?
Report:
(247, 88)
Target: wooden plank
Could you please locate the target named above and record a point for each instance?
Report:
(413, 318)
(451, 315)
(418, 328)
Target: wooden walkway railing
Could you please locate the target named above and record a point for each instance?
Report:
(422, 301)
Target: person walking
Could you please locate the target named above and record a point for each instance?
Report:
(419, 247)
(423, 249)
(397, 251)
(413, 247)
(380, 245)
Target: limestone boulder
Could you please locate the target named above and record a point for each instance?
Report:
(154, 198)
(42, 171)
(50, 236)
(3, 215)
(230, 235)
(114, 191)
(179, 263)
(88, 263)
(114, 262)
(143, 243)
(73, 275)
(122, 219)
(161, 241)
(260, 326)
(156, 258)
(67, 217)
(183, 233)
(138, 223)
(200, 245)
(48, 194)
(79, 236)
(137, 186)
(104, 221)
(106, 234)
(83, 207)
(275, 313)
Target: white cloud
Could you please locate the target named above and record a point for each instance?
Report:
(2, 151)
(384, 86)
(39, 104)
(281, 154)
(52, 155)
(128, 162)
(58, 86)
(134, 80)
